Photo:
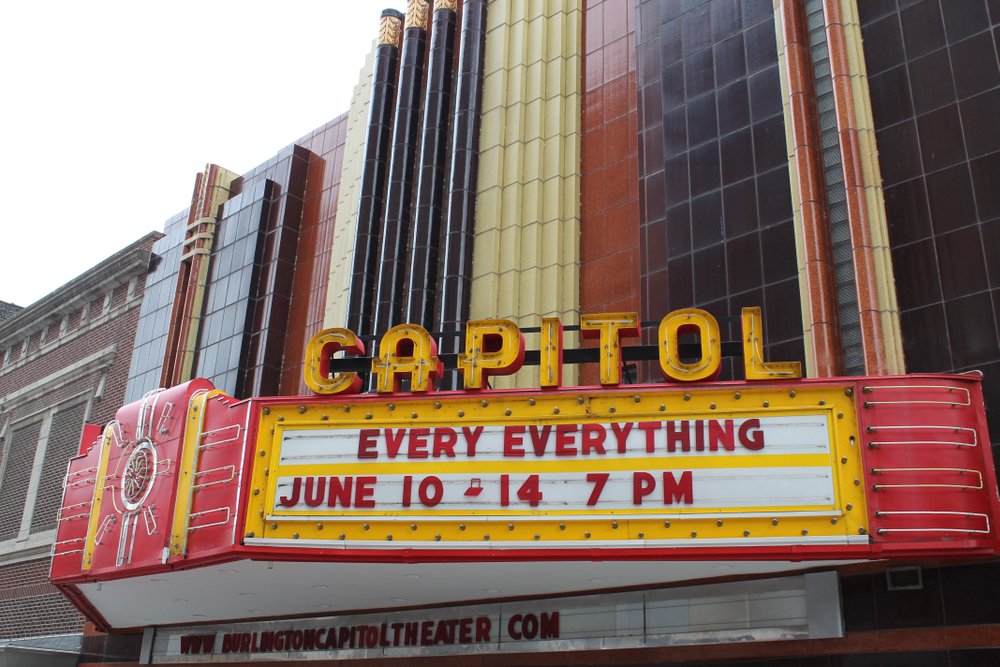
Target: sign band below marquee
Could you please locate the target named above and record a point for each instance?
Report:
(796, 607)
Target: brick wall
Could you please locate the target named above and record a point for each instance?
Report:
(30, 605)
(77, 329)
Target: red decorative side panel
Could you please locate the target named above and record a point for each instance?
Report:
(160, 485)
(928, 466)
(139, 486)
(217, 475)
(78, 499)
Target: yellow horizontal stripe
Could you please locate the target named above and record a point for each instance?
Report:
(589, 464)
(786, 511)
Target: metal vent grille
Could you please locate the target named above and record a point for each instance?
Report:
(904, 578)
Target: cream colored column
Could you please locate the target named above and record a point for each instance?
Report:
(526, 253)
(346, 221)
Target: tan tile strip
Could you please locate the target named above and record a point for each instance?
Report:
(526, 256)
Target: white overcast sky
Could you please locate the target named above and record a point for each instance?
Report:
(109, 108)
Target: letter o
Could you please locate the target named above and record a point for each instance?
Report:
(684, 321)
(529, 626)
(430, 497)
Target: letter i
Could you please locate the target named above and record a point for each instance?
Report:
(407, 489)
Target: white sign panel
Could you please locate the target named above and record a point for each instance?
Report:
(619, 469)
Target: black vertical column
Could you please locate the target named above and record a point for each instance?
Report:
(456, 281)
(399, 196)
(430, 175)
(359, 313)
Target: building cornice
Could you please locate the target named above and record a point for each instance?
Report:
(110, 273)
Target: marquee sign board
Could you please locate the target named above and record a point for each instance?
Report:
(749, 466)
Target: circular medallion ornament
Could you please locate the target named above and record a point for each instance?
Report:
(138, 475)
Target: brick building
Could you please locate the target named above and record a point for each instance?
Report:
(831, 161)
(64, 362)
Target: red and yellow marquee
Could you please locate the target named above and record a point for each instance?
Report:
(773, 469)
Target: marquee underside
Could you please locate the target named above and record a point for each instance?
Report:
(249, 589)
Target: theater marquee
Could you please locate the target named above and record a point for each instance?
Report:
(255, 507)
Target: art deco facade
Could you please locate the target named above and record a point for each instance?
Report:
(831, 161)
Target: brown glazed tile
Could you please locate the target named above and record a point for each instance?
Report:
(633, 178)
(987, 194)
(618, 97)
(593, 25)
(799, 65)
(801, 106)
(632, 52)
(615, 59)
(952, 203)
(850, 154)
(923, 30)
(593, 70)
(940, 133)
(907, 211)
(633, 128)
(831, 12)
(593, 109)
(826, 335)
(616, 136)
(961, 262)
(837, 46)
(616, 186)
(816, 246)
(841, 93)
(591, 225)
(592, 191)
(854, 199)
(615, 19)
(609, 214)
(810, 169)
(937, 86)
(591, 150)
(917, 287)
(979, 114)
(971, 346)
(730, 60)
(770, 144)
(592, 283)
(867, 284)
(899, 152)
(975, 65)
(793, 28)
(780, 261)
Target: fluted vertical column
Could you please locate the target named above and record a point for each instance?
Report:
(822, 320)
(878, 312)
(430, 175)
(399, 195)
(211, 189)
(359, 312)
(456, 281)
